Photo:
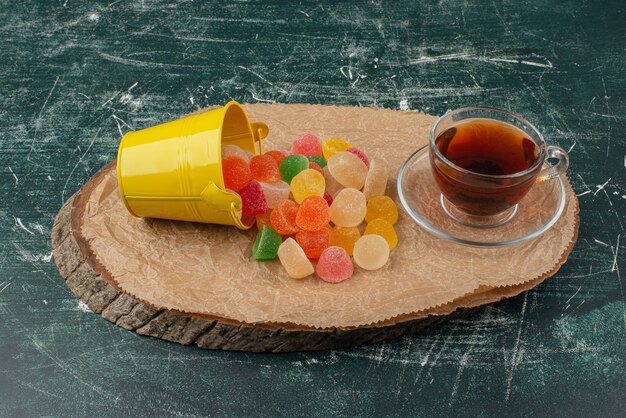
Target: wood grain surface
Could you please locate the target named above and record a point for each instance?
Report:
(75, 75)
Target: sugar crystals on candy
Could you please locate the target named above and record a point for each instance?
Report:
(236, 173)
(275, 193)
(334, 265)
(381, 207)
(294, 260)
(345, 237)
(291, 165)
(360, 154)
(252, 199)
(307, 183)
(264, 168)
(307, 145)
(376, 180)
(283, 217)
(384, 228)
(313, 243)
(318, 159)
(347, 169)
(333, 146)
(277, 155)
(371, 252)
(266, 245)
(234, 151)
(313, 214)
(348, 208)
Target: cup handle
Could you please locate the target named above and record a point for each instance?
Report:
(554, 170)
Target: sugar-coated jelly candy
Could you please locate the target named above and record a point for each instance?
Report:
(307, 145)
(332, 186)
(360, 154)
(347, 169)
(264, 168)
(348, 208)
(328, 198)
(283, 217)
(313, 243)
(313, 214)
(236, 173)
(371, 252)
(291, 165)
(263, 219)
(334, 265)
(266, 245)
(384, 228)
(235, 151)
(277, 155)
(381, 207)
(307, 183)
(275, 193)
(334, 145)
(345, 237)
(318, 159)
(252, 199)
(294, 260)
(316, 167)
(376, 180)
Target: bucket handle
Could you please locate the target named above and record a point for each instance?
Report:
(259, 131)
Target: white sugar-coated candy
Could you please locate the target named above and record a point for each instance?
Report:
(376, 180)
(332, 186)
(293, 259)
(348, 169)
(348, 208)
(371, 252)
(235, 151)
(275, 193)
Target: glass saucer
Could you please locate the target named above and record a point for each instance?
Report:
(537, 212)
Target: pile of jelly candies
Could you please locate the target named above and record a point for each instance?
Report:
(309, 202)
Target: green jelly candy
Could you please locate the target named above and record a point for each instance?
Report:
(318, 159)
(291, 165)
(266, 245)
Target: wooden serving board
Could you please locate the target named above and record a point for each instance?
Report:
(91, 246)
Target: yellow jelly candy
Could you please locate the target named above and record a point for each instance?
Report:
(307, 183)
(384, 228)
(332, 146)
(345, 237)
(381, 207)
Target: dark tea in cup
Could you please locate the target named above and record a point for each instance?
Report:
(485, 161)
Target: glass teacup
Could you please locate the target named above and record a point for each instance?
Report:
(485, 160)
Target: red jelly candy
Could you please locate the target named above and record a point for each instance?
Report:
(283, 217)
(277, 155)
(335, 265)
(307, 145)
(360, 154)
(313, 243)
(264, 168)
(328, 198)
(316, 167)
(236, 173)
(313, 215)
(253, 199)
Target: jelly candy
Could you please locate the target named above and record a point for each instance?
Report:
(360, 154)
(294, 260)
(275, 193)
(283, 217)
(235, 151)
(381, 207)
(264, 168)
(384, 228)
(348, 208)
(313, 243)
(307, 145)
(376, 180)
(347, 169)
(266, 244)
(307, 183)
(313, 215)
(332, 186)
(252, 199)
(334, 265)
(236, 173)
(277, 155)
(263, 219)
(318, 159)
(345, 237)
(291, 165)
(332, 146)
(371, 252)
(316, 167)
(328, 198)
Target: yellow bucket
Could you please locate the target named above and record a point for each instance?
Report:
(174, 170)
